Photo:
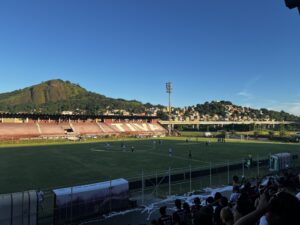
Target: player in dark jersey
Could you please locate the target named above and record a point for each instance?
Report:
(190, 154)
(179, 215)
(164, 219)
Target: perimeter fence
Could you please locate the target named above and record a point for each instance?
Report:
(151, 186)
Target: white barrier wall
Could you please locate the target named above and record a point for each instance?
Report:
(19, 208)
(79, 203)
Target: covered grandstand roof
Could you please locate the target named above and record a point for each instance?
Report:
(72, 117)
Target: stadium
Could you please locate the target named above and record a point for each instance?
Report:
(21, 126)
(223, 150)
(53, 153)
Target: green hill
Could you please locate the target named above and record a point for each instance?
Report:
(55, 96)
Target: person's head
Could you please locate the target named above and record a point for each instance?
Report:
(244, 206)
(197, 201)
(218, 196)
(284, 209)
(209, 200)
(186, 207)
(223, 201)
(178, 203)
(235, 179)
(162, 210)
(226, 215)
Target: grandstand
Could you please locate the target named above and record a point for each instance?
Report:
(18, 130)
(19, 126)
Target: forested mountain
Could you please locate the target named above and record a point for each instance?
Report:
(56, 96)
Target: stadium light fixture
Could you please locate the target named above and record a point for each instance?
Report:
(169, 89)
(291, 4)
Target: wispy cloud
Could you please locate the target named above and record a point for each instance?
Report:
(294, 109)
(245, 94)
(290, 107)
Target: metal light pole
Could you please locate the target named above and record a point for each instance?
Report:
(169, 89)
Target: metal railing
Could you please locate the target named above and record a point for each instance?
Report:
(172, 181)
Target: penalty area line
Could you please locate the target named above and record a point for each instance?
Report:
(97, 150)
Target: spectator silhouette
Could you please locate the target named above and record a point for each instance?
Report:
(227, 216)
(178, 216)
(164, 218)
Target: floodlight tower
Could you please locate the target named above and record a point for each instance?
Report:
(293, 4)
(169, 89)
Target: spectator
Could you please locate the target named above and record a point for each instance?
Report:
(164, 218)
(282, 209)
(243, 206)
(263, 221)
(223, 202)
(209, 204)
(197, 206)
(204, 217)
(187, 214)
(217, 199)
(209, 200)
(298, 195)
(235, 195)
(178, 216)
(235, 181)
(227, 216)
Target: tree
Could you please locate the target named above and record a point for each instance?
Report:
(282, 131)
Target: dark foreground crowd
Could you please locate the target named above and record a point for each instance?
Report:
(272, 202)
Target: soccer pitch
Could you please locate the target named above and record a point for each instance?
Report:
(42, 166)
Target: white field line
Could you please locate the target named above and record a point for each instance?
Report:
(114, 149)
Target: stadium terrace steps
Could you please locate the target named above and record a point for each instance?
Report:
(39, 128)
(106, 128)
(87, 128)
(53, 128)
(44, 129)
(18, 130)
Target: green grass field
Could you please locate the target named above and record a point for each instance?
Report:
(32, 165)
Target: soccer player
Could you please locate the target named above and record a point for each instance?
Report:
(132, 148)
(190, 154)
(170, 152)
(154, 144)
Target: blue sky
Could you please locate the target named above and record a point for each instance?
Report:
(243, 51)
